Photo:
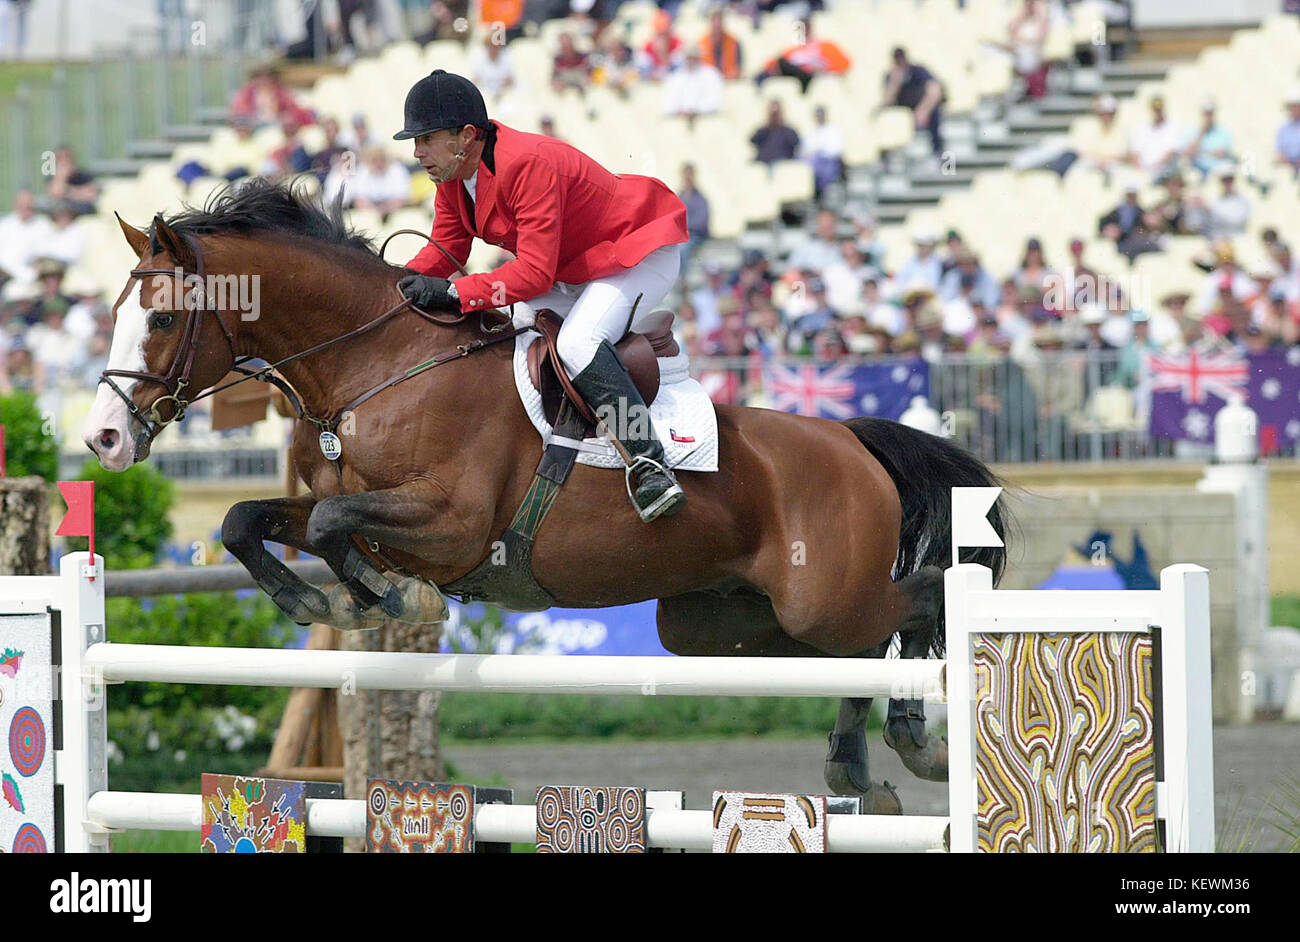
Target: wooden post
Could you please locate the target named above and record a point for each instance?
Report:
(24, 526)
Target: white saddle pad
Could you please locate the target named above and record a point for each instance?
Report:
(682, 415)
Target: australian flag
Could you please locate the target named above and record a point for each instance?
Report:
(1188, 390)
(845, 390)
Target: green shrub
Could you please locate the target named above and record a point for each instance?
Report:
(29, 446)
(131, 507)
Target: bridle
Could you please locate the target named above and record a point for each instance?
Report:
(176, 380)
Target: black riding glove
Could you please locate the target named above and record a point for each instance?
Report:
(429, 293)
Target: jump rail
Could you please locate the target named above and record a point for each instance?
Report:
(1176, 616)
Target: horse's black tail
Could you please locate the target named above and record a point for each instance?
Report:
(924, 469)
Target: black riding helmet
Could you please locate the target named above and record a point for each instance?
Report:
(441, 101)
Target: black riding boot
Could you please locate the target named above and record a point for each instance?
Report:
(607, 387)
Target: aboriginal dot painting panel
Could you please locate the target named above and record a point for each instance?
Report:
(419, 818)
(580, 819)
(26, 708)
(746, 823)
(245, 815)
(1064, 742)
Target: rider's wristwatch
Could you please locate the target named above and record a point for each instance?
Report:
(451, 290)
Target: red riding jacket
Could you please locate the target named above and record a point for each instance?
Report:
(564, 216)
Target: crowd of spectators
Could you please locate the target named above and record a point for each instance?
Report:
(836, 295)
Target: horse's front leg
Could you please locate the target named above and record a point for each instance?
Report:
(413, 517)
(281, 520)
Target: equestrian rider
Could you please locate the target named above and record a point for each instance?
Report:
(597, 248)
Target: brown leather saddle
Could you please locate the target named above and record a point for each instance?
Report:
(640, 353)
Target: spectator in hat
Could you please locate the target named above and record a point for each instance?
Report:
(570, 67)
(1118, 224)
(923, 269)
(51, 299)
(71, 183)
(1287, 141)
(910, 85)
(20, 372)
(1173, 208)
(1132, 356)
(1211, 144)
(694, 89)
(775, 140)
(823, 149)
(697, 214)
(491, 67)
(720, 49)
(984, 287)
(1108, 147)
(1225, 216)
(1288, 279)
(821, 250)
(807, 59)
(1154, 146)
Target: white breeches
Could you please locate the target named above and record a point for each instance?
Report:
(598, 310)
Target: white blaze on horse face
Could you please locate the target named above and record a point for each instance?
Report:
(108, 427)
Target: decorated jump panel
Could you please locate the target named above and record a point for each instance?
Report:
(1065, 742)
(26, 711)
(755, 823)
(581, 819)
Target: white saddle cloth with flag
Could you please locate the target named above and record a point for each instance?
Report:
(682, 415)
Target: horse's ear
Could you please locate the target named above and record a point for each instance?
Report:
(138, 240)
(173, 244)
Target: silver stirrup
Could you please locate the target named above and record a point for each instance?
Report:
(663, 500)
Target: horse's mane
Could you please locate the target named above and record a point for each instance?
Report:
(261, 205)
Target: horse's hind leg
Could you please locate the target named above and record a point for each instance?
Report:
(743, 623)
(848, 770)
(925, 756)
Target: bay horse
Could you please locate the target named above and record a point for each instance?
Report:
(814, 537)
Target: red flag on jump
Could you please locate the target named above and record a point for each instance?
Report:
(80, 518)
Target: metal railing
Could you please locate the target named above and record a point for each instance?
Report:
(1072, 406)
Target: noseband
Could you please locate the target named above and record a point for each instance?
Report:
(177, 379)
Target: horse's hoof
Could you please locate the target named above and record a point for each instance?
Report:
(882, 798)
(422, 603)
(928, 761)
(304, 604)
(343, 613)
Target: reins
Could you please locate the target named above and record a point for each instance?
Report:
(175, 385)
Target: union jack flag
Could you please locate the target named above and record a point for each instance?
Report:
(810, 390)
(1195, 375)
